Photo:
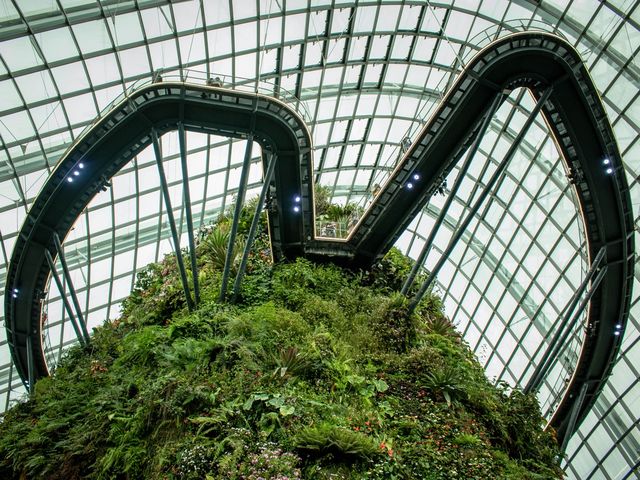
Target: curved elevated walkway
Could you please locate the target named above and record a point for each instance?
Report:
(535, 60)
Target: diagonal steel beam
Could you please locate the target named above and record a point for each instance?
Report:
(478, 203)
(65, 300)
(565, 316)
(417, 266)
(242, 190)
(254, 223)
(172, 222)
(187, 206)
(564, 330)
(573, 417)
(72, 291)
(30, 367)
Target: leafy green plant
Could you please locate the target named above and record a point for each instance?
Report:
(344, 444)
(447, 382)
(268, 462)
(290, 363)
(440, 325)
(194, 462)
(215, 243)
(467, 440)
(322, 198)
(390, 273)
(395, 326)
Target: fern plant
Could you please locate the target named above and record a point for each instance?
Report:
(342, 443)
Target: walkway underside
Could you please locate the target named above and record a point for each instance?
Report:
(537, 61)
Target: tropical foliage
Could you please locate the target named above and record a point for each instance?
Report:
(316, 373)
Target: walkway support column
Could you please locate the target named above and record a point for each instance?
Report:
(271, 158)
(65, 301)
(172, 222)
(478, 203)
(72, 290)
(30, 367)
(242, 190)
(187, 206)
(454, 190)
(568, 320)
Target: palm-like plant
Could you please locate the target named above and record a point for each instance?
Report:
(290, 362)
(446, 381)
(216, 243)
(440, 325)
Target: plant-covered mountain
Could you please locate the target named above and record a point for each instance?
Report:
(315, 373)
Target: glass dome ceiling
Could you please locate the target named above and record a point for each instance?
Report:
(368, 75)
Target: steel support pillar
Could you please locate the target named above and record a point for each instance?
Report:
(478, 203)
(30, 366)
(242, 190)
(560, 338)
(271, 158)
(172, 222)
(632, 471)
(65, 300)
(573, 417)
(72, 291)
(454, 190)
(187, 206)
(567, 311)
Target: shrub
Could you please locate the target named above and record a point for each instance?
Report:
(394, 326)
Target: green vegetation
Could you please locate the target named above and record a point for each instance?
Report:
(316, 373)
(334, 220)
